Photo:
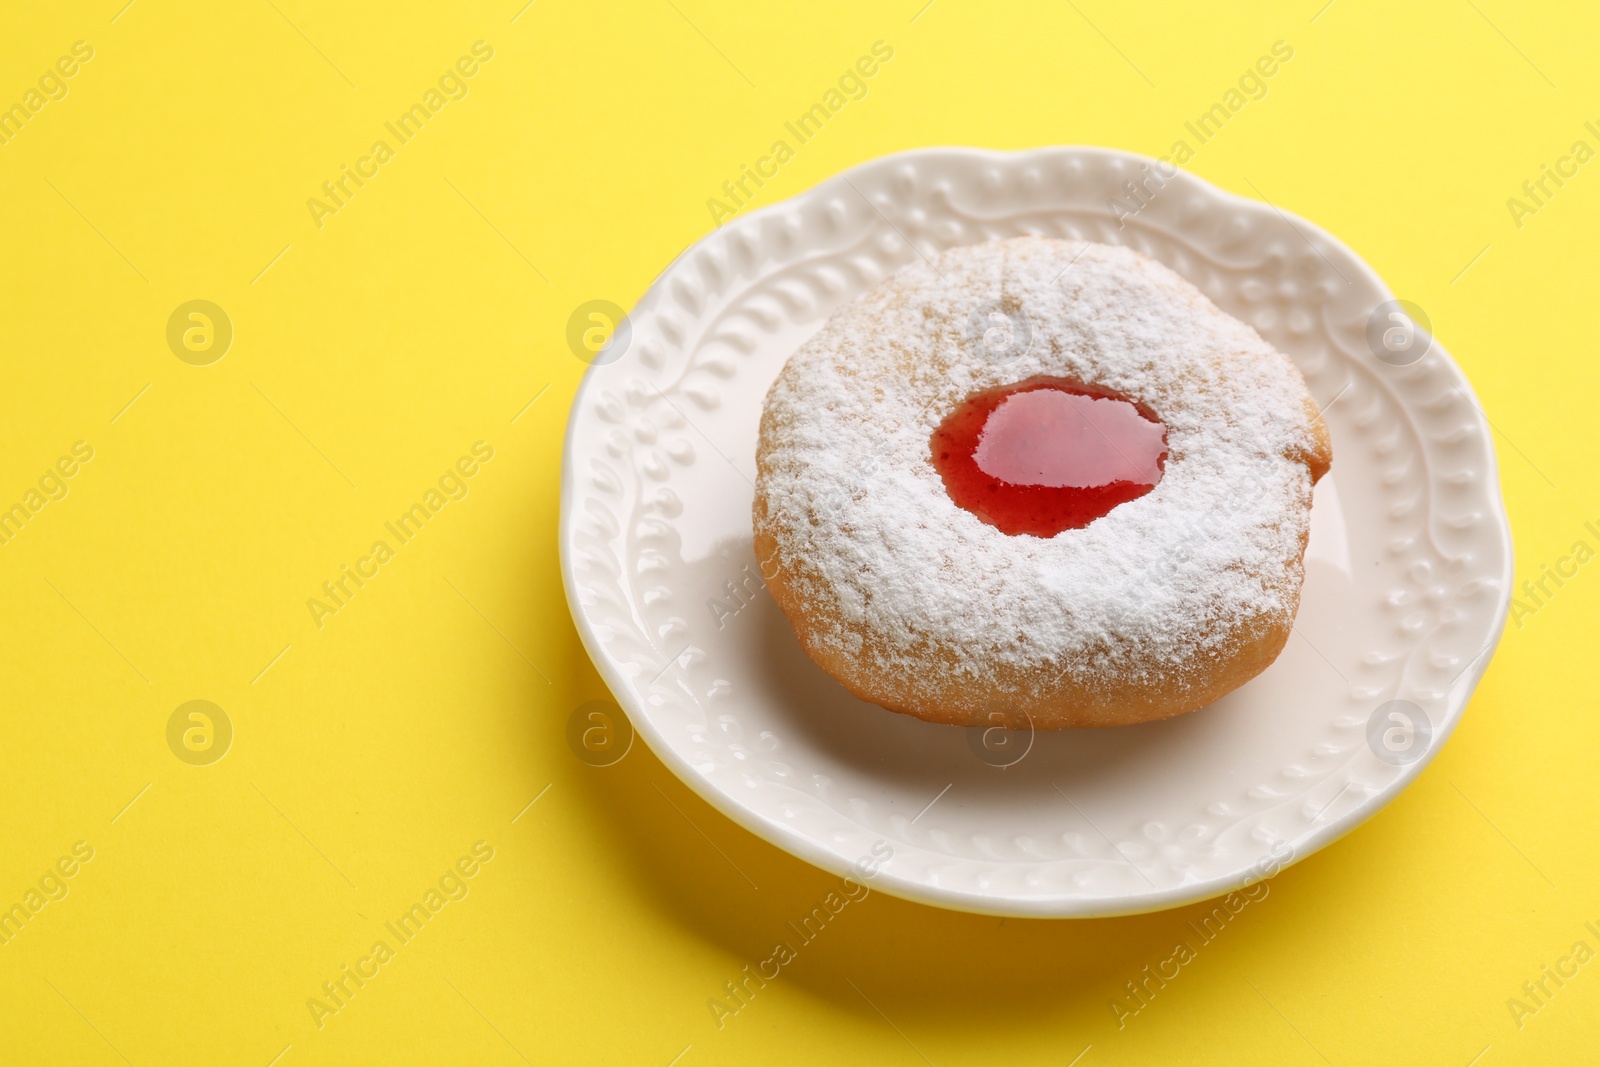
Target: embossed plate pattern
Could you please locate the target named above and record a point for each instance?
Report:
(1407, 587)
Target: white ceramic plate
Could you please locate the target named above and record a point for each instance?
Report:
(1407, 586)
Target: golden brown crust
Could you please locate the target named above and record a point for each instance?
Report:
(1070, 705)
(1319, 460)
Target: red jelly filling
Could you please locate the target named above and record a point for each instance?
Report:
(1048, 454)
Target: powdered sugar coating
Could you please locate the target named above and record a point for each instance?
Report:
(920, 605)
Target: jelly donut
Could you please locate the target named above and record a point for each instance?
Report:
(1037, 483)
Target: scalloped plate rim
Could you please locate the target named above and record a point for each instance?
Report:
(1135, 902)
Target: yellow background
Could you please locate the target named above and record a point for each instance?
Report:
(426, 714)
